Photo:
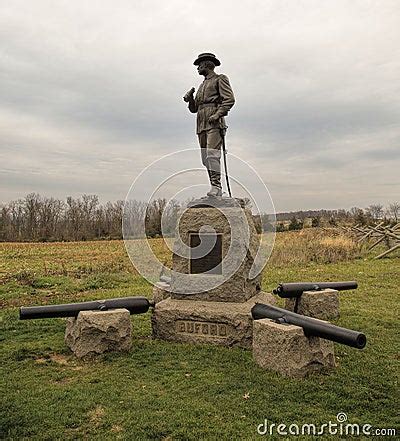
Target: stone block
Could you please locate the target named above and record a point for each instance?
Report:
(285, 349)
(239, 243)
(95, 332)
(160, 292)
(196, 321)
(323, 305)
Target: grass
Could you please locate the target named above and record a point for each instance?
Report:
(171, 391)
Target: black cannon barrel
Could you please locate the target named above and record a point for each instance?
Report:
(290, 290)
(135, 305)
(311, 326)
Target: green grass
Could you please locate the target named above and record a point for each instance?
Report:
(164, 390)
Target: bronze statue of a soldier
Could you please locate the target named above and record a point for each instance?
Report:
(212, 102)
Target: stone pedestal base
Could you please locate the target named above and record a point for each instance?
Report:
(95, 332)
(323, 305)
(285, 349)
(195, 321)
(220, 272)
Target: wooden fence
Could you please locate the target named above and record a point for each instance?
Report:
(373, 235)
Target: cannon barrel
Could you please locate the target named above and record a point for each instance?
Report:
(311, 326)
(135, 305)
(290, 290)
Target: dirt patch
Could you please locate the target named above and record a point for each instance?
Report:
(77, 368)
(116, 428)
(96, 415)
(59, 359)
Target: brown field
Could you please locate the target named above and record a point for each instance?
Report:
(24, 260)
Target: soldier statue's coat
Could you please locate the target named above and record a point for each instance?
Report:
(214, 96)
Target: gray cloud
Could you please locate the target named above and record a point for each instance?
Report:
(91, 94)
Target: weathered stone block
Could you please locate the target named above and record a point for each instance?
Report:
(238, 243)
(160, 292)
(95, 332)
(196, 321)
(285, 349)
(323, 305)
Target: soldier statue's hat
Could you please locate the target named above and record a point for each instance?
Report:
(207, 56)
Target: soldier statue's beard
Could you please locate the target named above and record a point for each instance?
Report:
(202, 71)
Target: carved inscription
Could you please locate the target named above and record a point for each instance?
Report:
(204, 329)
(205, 253)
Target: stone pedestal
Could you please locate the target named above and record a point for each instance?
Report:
(285, 349)
(211, 294)
(95, 332)
(223, 274)
(323, 305)
(160, 292)
(195, 321)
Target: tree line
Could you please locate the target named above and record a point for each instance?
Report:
(333, 218)
(38, 218)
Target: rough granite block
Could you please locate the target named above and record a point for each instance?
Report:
(195, 321)
(323, 305)
(285, 349)
(95, 332)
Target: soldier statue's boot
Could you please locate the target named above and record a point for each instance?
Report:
(215, 191)
(215, 181)
(214, 173)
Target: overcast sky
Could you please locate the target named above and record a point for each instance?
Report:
(91, 93)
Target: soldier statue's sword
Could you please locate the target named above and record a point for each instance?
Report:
(225, 162)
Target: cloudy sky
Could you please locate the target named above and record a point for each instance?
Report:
(91, 93)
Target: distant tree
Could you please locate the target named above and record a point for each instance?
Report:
(4, 222)
(50, 214)
(134, 215)
(267, 222)
(332, 222)
(358, 215)
(316, 221)
(257, 223)
(375, 211)
(280, 227)
(88, 210)
(32, 206)
(295, 224)
(342, 214)
(18, 220)
(153, 217)
(169, 218)
(393, 211)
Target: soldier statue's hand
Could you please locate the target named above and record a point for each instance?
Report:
(189, 95)
(213, 118)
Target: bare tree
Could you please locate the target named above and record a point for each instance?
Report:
(50, 214)
(393, 211)
(153, 217)
(358, 215)
(375, 211)
(32, 207)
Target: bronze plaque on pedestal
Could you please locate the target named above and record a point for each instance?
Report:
(205, 253)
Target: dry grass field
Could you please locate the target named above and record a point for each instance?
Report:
(23, 262)
(170, 391)
(50, 271)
